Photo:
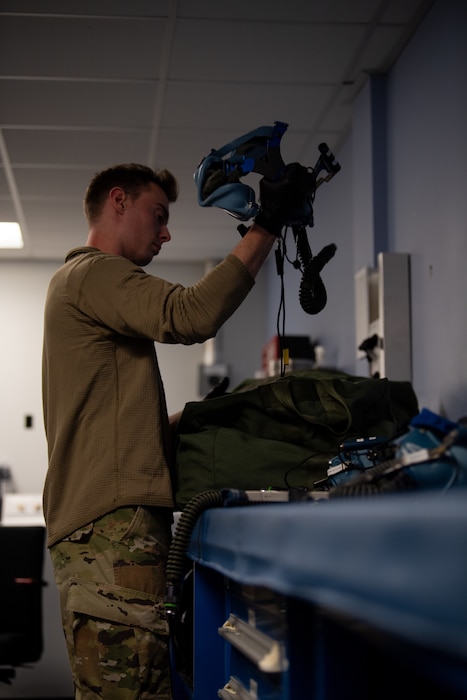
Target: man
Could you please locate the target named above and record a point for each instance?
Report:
(107, 497)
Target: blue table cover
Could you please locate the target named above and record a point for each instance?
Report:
(397, 562)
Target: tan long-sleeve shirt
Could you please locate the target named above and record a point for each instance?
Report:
(104, 405)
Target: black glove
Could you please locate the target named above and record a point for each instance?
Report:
(281, 199)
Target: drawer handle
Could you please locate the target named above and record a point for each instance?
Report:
(267, 653)
(234, 690)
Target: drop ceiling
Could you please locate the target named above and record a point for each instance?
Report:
(86, 84)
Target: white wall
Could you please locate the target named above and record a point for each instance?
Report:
(22, 292)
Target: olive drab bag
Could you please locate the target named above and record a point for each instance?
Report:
(281, 433)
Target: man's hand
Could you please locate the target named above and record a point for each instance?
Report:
(281, 199)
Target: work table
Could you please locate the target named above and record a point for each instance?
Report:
(391, 568)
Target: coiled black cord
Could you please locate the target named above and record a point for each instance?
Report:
(177, 559)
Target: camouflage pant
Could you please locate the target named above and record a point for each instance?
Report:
(111, 579)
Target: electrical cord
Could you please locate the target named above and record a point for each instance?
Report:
(312, 292)
(281, 254)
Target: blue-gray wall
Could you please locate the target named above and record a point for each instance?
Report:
(424, 181)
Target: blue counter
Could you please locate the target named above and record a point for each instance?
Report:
(397, 563)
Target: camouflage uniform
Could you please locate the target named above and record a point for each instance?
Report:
(111, 579)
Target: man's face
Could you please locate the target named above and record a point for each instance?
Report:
(146, 225)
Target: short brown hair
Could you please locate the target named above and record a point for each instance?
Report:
(131, 177)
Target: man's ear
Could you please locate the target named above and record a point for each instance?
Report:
(118, 197)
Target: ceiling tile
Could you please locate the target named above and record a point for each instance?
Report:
(308, 55)
(104, 8)
(243, 106)
(88, 104)
(52, 183)
(81, 47)
(267, 11)
(82, 148)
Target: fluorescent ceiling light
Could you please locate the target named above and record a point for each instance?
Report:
(10, 235)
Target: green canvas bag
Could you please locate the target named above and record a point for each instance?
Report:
(281, 433)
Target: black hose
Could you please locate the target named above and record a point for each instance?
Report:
(177, 559)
